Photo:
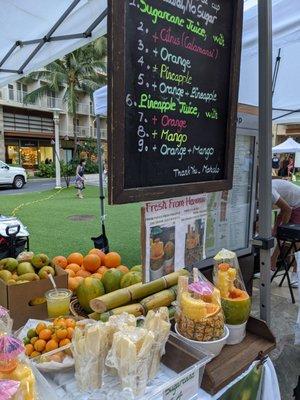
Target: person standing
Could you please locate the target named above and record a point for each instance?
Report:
(286, 196)
(275, 164)
(79, 179)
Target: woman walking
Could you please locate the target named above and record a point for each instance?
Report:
(79, 180)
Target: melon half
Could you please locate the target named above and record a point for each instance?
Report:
(236, 307)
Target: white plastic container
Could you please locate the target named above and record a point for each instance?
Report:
(213, 347)
(237, 333)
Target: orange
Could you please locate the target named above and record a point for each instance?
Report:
(35, 354)
(70, 322)
(64, 342)
(123, 269)
(60, 261)
(54, 337)
(91, 262)
(74, 267)
(51, 345)
(40, 326)
(72, 284)
(70, 272)
(70, 332)
(33, 340)
(97, 275)
(75, 258)
(61, 333)
(112, 260)
(40, 345)
(45, 334)
(84, 274)
(99, 253)
(29, 349)
(102, 270)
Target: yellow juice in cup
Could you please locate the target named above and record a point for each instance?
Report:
(58, 302)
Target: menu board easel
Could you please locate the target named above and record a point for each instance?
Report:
(173, 86)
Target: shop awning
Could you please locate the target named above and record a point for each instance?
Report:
(286, 36)
(34, 33)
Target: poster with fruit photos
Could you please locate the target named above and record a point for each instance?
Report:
(175, 234)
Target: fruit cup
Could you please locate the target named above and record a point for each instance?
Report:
(58, 302)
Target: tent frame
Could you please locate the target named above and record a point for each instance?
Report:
(49, 38)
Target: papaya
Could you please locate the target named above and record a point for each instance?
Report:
(137, 268)
(236, 307)
(131, 278)
(112, 280)
(89, 289)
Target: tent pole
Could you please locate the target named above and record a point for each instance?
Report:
(100, 161)
(265, 153)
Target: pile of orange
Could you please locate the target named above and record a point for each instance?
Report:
(49, 337)
(95, 264)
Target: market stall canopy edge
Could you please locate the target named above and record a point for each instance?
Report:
(34, 19)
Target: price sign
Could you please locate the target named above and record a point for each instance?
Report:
(186, 388)
(173, 80)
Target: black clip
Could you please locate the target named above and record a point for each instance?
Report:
(262, 359)
(263, 243)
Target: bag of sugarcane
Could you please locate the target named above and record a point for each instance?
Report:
(158, 323)
(199, 313)
(130, 355)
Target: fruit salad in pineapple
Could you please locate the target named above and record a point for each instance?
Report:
(200, 315)
(236, 302)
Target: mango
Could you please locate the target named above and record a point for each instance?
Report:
(25, 268)
(5, 275)
(10, 264)
(30, 276)
(40, 261)
(25, 256)
(45, 271)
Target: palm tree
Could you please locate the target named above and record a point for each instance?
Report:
(82, 71)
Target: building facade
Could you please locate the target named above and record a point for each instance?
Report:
(27, 130)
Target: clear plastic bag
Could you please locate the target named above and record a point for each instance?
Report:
(6, 323)
(199, 313)
(227, 276)
(130, 355)
(158, 323)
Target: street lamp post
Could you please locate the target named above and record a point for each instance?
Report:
(56, 112)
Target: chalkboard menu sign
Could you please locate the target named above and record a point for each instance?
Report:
(173, 84)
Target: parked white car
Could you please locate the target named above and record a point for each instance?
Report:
(15, 176)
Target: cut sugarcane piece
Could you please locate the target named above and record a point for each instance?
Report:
(129, 355)
(135, 309)
(160, 299)
(158, 323)
(90, 347)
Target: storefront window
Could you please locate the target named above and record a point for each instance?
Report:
(46, 154)
(29, 157)
(67, 155)
(13, 155)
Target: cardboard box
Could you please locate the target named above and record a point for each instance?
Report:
(16, 298)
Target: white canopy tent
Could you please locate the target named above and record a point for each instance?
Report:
(35, 32)
(286, 36)
(289, 146)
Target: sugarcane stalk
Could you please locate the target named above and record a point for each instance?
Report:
(135, 309)
(135, 292)
(161, 299)
(112, 300)
(157, 285)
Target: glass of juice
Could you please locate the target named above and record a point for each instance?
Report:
(58, 302)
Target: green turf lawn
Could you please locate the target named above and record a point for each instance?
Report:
(53, 233)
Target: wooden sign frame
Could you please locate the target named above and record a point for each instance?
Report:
(118, 194)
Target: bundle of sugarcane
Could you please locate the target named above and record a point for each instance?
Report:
(129, 355)
(158, 323)
(90, 347)
(132, 293)
(160, 299)
(117, 323)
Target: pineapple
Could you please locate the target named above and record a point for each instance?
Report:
(199, 320)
